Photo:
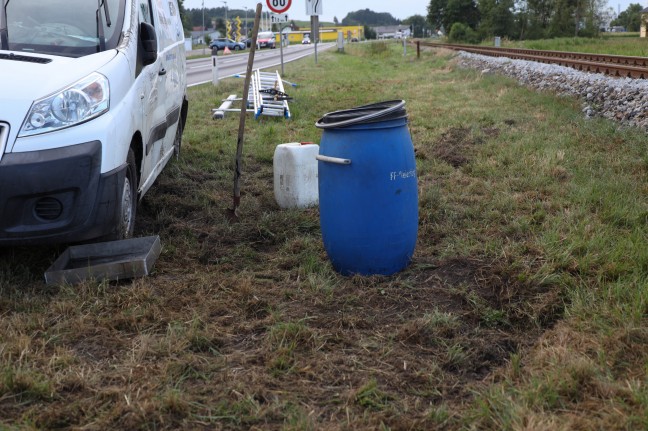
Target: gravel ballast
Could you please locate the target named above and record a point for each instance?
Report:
(620, 99)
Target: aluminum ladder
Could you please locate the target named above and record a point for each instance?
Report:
(266, 103)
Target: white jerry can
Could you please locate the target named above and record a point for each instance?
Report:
(295, 174)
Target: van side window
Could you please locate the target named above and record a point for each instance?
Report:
(145, 15)
(145, 12)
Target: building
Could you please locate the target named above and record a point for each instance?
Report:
(327, 34)
(644, 18)
(198, 35)
(392, 31)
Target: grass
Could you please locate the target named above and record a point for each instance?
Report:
(524, 306)
(617, 43)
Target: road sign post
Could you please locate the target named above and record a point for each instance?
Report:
(281, 44)
(314, 8)
(214, 66)
(315, 32)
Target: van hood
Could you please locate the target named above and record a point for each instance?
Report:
(22, 79)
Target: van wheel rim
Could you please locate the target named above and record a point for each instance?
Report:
(127, 209)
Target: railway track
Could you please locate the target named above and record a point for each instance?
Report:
(613, 65)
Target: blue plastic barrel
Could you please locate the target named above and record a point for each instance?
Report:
(368, 192)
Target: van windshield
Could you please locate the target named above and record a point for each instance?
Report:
(63, 27)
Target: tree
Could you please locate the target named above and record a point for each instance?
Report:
(184, 17)
(369, 33)
(630, 18)
(335, 21)
(220, 25)
(497, 18)
(462, 33)
(436, 12)
(559, 18)
(464, 11)
(369, 17)
(444, 13)
(593, 17)
(606, 16)
(418, 23)
(537, 17)
(562, 22)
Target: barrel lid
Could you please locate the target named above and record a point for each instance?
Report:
(372, 113)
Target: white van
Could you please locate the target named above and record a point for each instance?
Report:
(92, 107)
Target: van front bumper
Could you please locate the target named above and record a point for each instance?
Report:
(58, 195)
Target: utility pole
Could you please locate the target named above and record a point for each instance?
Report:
(227, 28)
(203, 26)
(246, 25)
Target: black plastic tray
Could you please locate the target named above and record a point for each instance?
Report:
(113, 260)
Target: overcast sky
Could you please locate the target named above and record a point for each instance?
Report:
(399, 9)
(623, 4)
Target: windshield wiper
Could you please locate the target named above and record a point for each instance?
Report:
(100, 26)
(4, 31)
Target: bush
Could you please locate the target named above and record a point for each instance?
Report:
(462, 33)
(369, 33)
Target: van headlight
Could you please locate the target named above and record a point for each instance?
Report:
(81, 101)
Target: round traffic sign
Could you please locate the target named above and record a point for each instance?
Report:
(278, 6)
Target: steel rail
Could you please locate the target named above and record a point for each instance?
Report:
(613, 65)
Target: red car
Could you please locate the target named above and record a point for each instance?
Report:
(266, 39)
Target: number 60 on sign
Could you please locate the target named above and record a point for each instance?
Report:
(278, 6)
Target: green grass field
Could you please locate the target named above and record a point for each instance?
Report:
(525, 305)
(607, 43)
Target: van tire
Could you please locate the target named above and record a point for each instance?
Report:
(177, 142)
(127, 201)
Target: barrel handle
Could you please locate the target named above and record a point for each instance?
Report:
(335, 160)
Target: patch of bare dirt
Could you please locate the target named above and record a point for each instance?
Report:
(245, 326)
(453, 146)
(456, 144)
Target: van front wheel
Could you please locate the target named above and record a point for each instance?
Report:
(177, 142)
(128, 201)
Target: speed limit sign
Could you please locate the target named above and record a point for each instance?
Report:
(278, 6)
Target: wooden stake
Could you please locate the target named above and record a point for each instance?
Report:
(241, 130)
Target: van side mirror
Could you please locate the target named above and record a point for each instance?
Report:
(148, 40)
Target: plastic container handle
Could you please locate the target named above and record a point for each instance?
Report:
(335, 160)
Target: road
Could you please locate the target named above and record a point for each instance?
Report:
(199, 71)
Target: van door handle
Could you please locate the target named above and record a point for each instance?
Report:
(162, 72)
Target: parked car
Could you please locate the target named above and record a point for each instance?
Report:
(93, 102)
(306, 41)
(266, 39)
(247, 42)
(354, 39)
(222, 42)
